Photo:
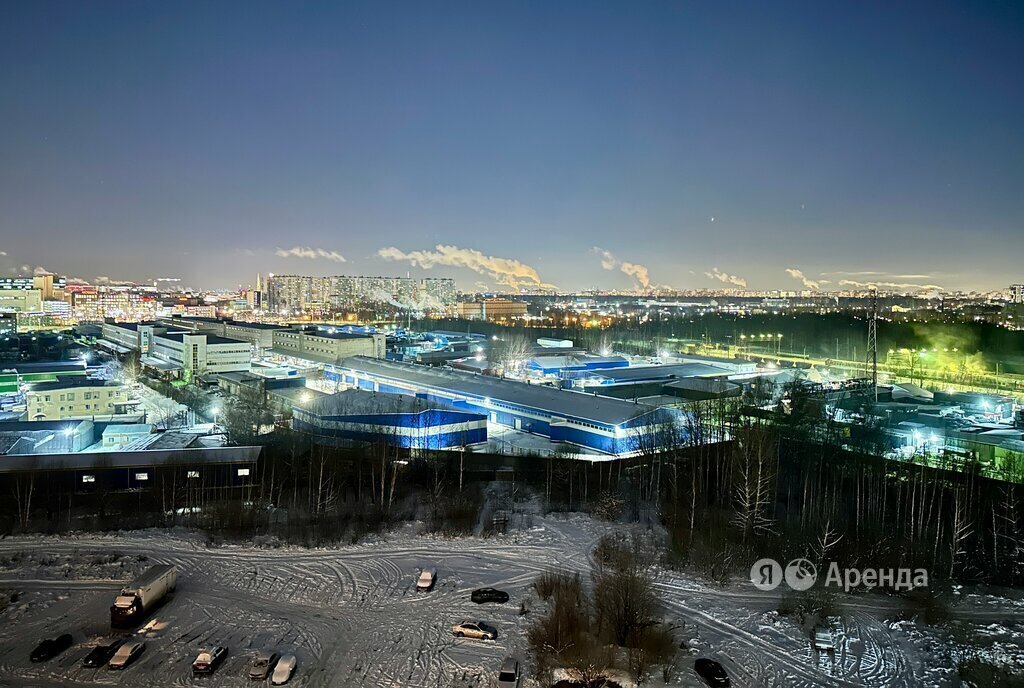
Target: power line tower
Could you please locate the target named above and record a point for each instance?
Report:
(873, 341)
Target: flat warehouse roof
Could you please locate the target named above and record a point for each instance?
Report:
(210, 338)
(101, 460)
(657, 372)
(554, 401)
(214, 339)
(255, 325)
(357, 402)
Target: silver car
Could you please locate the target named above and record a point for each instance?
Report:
(262, 665)
(126, 654)
(508, 675)
(284, 669)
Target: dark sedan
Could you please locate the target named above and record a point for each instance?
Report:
(101, 654)
(208, 660)
(51, 647)
(489, 595)
(712, 672)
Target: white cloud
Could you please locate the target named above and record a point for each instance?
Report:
(799, 275)
(310, 253)
(608, 259)
(639, 273)
(507, 271)
(736, 280)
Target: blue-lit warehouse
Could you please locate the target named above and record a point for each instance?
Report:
(610, 426)
(561, 365)
(398, 420)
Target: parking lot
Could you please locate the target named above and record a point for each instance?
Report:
(353, 617)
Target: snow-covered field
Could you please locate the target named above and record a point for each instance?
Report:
(353, 617)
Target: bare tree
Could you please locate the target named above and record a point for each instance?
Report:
(511, 352)
(754, 462)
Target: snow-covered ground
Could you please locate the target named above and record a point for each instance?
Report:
(353, 617)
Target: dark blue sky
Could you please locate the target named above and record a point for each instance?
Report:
(195, 140)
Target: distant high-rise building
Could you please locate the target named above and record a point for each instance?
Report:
(294, 294)
(254, 297)
(1017, 293)
(492, 309)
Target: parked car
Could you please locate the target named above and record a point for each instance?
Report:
(711, 671)
(101, 654)
(489, 595)
(51, 647)
(126, 654)
(284, 669)
(508, 675)
(207, 661)
(474, 629)
(823, 641)
(262, 665)
(426, 580)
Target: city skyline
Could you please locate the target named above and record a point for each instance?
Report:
(691, 147)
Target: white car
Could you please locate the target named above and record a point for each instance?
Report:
(284, 669)
(823, 641)
(126, 654)
(426, 580)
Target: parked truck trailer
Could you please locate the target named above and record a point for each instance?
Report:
(142, 594)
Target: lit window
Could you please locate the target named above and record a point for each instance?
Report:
(142, 476)
(243, 472)
(192, 474)
(88, 478)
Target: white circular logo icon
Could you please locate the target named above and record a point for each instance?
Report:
(766, 574)
(801, 574)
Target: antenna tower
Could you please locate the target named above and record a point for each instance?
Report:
(873, 341)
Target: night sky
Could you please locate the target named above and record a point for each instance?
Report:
(571, 143)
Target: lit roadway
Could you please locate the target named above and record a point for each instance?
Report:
(985, 382)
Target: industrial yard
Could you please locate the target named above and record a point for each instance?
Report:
(353, 617)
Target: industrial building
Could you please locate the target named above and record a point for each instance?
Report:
(491, 309)
(259, 335)
(561, 366)
(633, 375)
(14, 375)
(84, 456)
(78, 397)
(609, 426)
(734, 366)
(187, 354)
(326, 344)
(280, 394)
(17, 300)
(122, 337)
(396, 419)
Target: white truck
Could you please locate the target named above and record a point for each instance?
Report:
(142, 594)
